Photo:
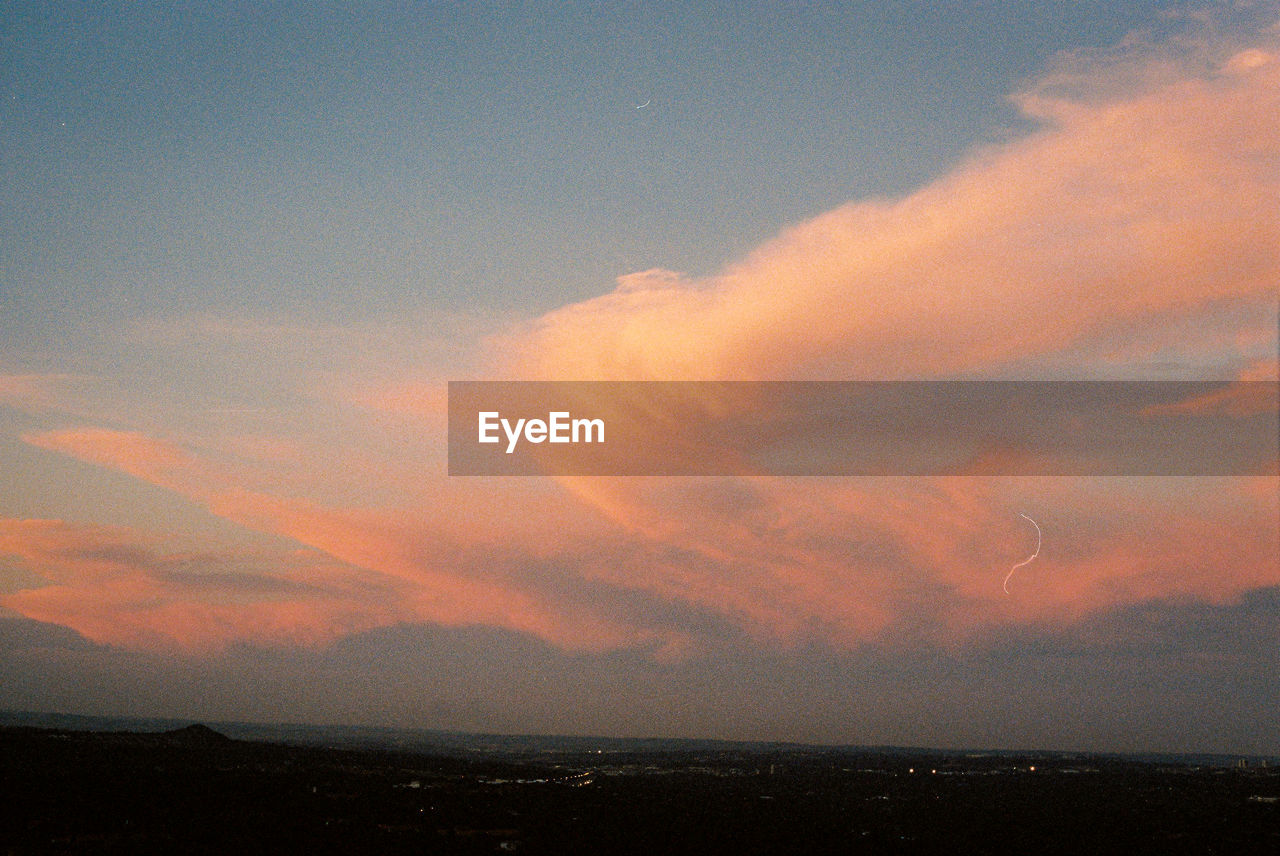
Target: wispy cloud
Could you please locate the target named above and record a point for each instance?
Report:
(118, 587)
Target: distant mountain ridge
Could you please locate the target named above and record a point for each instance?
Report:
(196, 735)
(467, 744)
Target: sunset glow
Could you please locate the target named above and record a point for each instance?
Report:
(230, 314)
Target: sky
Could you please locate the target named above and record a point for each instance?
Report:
(244, 247)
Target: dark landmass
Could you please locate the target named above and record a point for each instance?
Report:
(192, 789)
(542, 746)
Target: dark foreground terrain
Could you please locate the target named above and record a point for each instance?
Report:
(192, 791)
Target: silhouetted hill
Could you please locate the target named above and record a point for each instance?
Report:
(196, 735)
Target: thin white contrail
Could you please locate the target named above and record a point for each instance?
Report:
(1027, 560)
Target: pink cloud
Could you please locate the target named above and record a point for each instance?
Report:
(132, 452)
(435, 559)
(118, 587)
(840, 561)
(850, 561)
(1238, 399)
(1143, 210)
(1156, 200)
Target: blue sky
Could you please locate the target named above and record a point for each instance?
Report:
(316, 160)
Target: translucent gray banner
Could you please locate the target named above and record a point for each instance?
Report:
(871, 428)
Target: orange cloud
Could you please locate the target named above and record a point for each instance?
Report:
(117, 587)
(436, 560)
(850, 561)
(137, 454)
(1157, 201)
(1251, 395)
(836, 561)
(1143, 210)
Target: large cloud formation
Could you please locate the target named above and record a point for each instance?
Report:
(1145, 208)
(1134, 229)
(1133, 235)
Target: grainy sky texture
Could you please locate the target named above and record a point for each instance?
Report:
(244, 247)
